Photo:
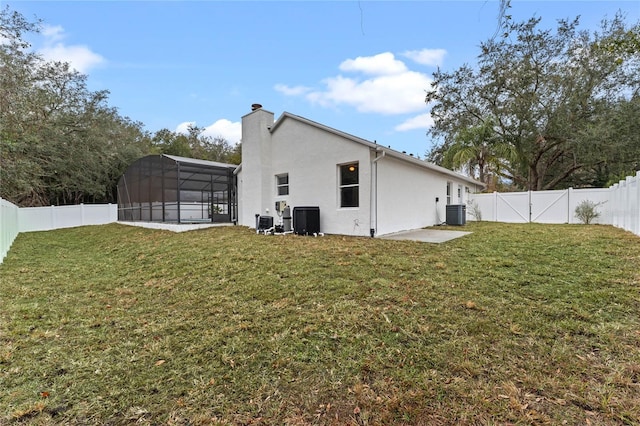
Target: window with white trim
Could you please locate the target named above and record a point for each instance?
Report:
(349, 185)
(282, 184)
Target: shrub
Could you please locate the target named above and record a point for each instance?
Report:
(474, 210)
(587, 211)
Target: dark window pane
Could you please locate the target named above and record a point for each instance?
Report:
(283, 180)
(283, 190)
(349, 197)
(282, 184)
(349, 174)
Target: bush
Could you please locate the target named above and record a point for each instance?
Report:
(587, 211)
(474, 210)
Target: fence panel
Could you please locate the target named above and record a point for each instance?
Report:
(483, 205)
(56, 217)
(600, 196)
(8, 226)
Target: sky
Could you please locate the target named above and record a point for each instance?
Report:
(362, 67)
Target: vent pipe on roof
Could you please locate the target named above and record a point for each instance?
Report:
(255, 107)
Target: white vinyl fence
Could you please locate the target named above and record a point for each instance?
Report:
(625, 204)
(618, 205)
(539, 206)
(8, 226)
(56, 217)
(14, 220)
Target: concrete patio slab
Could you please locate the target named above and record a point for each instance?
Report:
(174, 227)
(426, 235)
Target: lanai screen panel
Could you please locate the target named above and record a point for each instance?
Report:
(164, 188)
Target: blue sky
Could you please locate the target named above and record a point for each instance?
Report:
(359, 66)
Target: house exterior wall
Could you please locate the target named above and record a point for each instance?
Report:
(253, 195)
(395, 194)
(312, 157)
(406, 196)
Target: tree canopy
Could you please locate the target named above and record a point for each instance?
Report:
(196, 144)
(549, 109)
(61, 143)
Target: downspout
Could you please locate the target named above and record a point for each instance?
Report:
(234, 195)
(373, 199)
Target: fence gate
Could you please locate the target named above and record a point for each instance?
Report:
(550, 206)
(512, 207)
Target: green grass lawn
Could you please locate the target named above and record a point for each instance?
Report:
(513, 324)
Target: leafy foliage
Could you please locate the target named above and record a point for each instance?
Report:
(550, 100)
(480, 152)
(61, 143)
(587, 211)
(196, 145)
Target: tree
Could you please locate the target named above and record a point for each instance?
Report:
(60, 143)
(196, 145)
(165, 141)
(544, 92)
(478, 150)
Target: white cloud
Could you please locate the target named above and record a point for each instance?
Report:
(231, 131)
(387, 87)
(431, 57)
(184, 127)
(380, 64)
(52, 33)
(388, 95)
(291, 90)
(79, 57)
(422, 121)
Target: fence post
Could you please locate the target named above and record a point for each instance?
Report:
(495, 206)
(52, 224)
(616, 204)
(569, 215)
(637, 206)
(82, 214)
(621, 204)
(629, 211)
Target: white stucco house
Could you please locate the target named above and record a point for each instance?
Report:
(360, 187)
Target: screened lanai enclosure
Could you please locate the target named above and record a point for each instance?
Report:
(166, 188)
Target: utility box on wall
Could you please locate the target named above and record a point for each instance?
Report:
(306, 220)
(456, 214)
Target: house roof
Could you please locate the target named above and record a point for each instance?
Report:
(378, 148)
(197, 162)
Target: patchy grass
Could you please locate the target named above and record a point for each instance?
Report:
(513, 324)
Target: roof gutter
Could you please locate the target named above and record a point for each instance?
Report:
(373, 196)
(375, 160)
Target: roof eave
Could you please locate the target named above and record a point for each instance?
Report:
(373, 145)
(427, 165)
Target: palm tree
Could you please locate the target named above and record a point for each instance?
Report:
(480, 152)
